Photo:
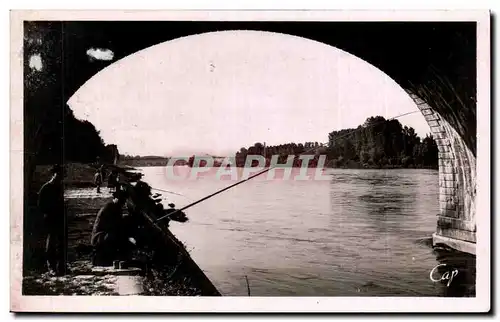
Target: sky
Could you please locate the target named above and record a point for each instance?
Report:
(217, 92)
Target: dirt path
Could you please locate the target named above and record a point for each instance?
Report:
(87, 193)
(82, 208)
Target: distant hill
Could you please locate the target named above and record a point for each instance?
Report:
(143, 161)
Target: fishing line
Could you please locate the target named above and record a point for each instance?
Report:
(375, 124)
(270, 168)
(171, 192)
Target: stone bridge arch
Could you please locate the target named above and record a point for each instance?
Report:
(435, 62)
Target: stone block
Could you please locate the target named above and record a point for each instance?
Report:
(443, 190)
(446, 174)
(457, 234)
(458, 148)
(447, 171)
(444, 148)
(445, 155)
(455, 223)
(439, 134)
(460, 245)
(451, 206)
(448, 198)
(432, 117)
(425, 110)
(434, 123)
(441, 141)
(448, 210)
(446, 162)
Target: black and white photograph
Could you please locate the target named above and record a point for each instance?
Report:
(256, 157)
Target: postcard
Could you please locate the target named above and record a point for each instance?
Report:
(250, 161)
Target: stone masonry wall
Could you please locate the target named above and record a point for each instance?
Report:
(457, 178)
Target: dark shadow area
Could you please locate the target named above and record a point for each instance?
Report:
(458, 267)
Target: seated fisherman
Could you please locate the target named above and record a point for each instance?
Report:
(111, 235)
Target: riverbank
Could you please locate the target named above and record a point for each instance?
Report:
(82, 204)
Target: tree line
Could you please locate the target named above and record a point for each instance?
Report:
(381, 143)
(68, 139)
(52, 134)
(377, 143)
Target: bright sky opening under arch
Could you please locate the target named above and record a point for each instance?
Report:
(219, 91)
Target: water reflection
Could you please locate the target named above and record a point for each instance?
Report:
(389, 204)
(384, 199)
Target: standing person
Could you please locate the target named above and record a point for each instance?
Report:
(98, 179)
(51, 204)
(112, 180)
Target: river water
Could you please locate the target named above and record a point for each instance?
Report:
(360, 232)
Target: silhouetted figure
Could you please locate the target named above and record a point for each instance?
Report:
(112, 181)
(117, 182)
(111, 233)
(174, 214)
(51, 204)
(98, 179)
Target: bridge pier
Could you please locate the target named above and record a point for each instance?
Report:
(456, 222)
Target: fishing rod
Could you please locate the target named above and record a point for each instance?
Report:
(268, 169)
(215, 193)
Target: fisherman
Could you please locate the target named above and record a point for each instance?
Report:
(111, 236)
(51, 204)
(98, 179)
